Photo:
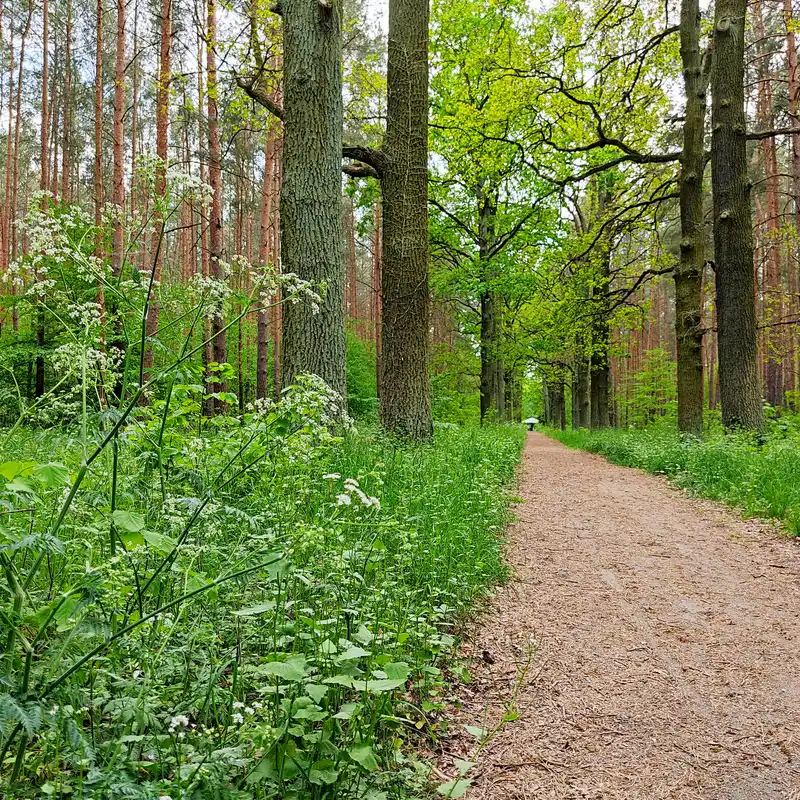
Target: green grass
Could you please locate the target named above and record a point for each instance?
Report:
(256, 632)
(760, 476)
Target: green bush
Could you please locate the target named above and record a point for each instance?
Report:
(760, 475)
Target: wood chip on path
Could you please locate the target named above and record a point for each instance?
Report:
(668, 656)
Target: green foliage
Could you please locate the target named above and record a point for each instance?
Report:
(650, 394)
(362, 390)
(759, 475)
(252, 607)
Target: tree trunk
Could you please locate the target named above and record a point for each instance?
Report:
(66, 142)
(733, 240)
(215, 241)
(118, 244)
(581, 401)
(162, 142)
(405, 383)
(350, 251)
(264, 252)
(492, 386)
(772, 287)
(310, 205)
(9, 211)
(688, 274)
(376, 310)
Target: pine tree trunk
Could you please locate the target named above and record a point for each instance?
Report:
(118, 244)
(377, 304)
(8, 210)
(215, 241)
(688, 274)
(66, 143)
(310, 203)
(162, 141)
(733, 241)
(265, 248)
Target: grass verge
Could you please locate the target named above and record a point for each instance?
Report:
(251, 609)
(759, 476)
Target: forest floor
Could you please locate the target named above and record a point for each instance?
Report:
(667, 631)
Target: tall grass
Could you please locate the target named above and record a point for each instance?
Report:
(276, 630)
(759, 475)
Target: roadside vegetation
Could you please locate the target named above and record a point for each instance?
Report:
(237, 607)
(760, 474)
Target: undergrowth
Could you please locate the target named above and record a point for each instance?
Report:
(244, 607)
(759, 475)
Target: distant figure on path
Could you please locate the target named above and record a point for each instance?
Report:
(530, 422)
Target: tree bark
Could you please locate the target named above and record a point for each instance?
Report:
(688, 274)
(215, 241)
(118, 244)
(66, 141)
(162, 142)
(310, 202)
(771, 236)
(581, 400)
(492, 386)
(264, 252)
(405, 404)
(733, 241)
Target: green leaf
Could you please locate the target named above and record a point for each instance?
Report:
(397, 670)
(352, 653)
(164, 544)
(293, 669)
(11, 469)
(128, 521)
(478, 733)
(316, 691)
(131, 539)
(364, 635)
(323, 773)
(254, 611)
(363, 754)
(464, 766)
(51, 475)
(347, 710)
(456, 788)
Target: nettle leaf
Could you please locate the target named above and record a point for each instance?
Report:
(293, 669)
(456, 788)
(364, 755)
(128, 521)
(463, 766)
(323, 773)
(51, 475)
(254, 611)
(347, 710)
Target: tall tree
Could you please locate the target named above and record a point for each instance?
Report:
(688, 274)
(733, 239)
(215, 240)
(162, 141)
(310, 202)
(405, 402)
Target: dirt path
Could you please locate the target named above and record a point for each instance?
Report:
(668, 661)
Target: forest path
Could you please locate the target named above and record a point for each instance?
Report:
(668, 660)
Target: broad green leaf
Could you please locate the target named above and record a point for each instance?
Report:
(128, 520)
(293, 669)
(463, 766)
(164, 544)
(11, 469)
(364, 755)
(51, 475)
(131, 539)
(353, 653)
(397, 670)
(316, 691)
(478, 733)
(364, 635)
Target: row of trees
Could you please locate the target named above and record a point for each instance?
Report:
(568, 191)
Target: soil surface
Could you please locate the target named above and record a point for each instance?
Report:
(667, 646)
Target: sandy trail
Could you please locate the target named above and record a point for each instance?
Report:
(668, 661)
